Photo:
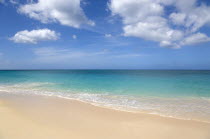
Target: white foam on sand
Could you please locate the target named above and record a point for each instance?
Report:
(182, 108)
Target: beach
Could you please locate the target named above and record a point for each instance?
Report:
(180, 94)
(105, 69)
(43, 117)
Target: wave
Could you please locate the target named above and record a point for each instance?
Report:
(182, 108)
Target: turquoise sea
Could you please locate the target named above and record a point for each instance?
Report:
(181, 94)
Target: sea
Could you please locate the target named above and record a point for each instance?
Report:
(181, 94)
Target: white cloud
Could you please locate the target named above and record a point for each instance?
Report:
(196, 38)
(34, 36)
(66, 12)
(148, 19)
(178, 18)
(192, 19)
(108, 35)
(74, 36)
(153, 28)
(133, 11)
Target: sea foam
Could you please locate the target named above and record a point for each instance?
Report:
(182, 108)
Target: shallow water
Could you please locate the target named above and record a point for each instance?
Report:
(176, 93)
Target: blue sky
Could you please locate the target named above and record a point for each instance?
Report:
(104, 34)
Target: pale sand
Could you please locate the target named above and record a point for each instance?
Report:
(35, 117)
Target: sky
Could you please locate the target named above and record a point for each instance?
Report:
(104, 34)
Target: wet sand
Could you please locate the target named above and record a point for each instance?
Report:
(40, 117)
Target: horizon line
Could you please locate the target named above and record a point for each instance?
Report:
(99, 69)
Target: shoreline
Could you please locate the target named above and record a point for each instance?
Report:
(129, 110)
(74, 118)
(123, 110)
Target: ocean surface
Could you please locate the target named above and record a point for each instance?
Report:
(183, 94)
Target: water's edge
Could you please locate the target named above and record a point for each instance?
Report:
(182, 94)
(112, 107)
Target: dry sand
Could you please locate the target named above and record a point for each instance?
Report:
(36, 117)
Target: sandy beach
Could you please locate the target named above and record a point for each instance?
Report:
(41, 117)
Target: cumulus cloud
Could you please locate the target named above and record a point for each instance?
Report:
(34, 36)
(150, 20)
(195, 38)
(192, 19)
(66, 12)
